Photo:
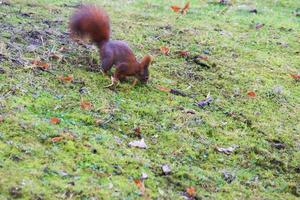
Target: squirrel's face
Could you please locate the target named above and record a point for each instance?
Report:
(144, 75)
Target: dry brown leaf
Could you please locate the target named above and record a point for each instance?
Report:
(56, 56)
(40, 64)
(165, 50)
(191, 191)
(183, 10)
(251, 94)
(67, 78)
(57, 139)
(99, 122)
(85, 105)
(54, 120)
(139, 183)
(184, 53)
(137, 131)
(67, 135)
(164, 89)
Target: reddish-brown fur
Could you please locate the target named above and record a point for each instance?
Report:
(93, 22)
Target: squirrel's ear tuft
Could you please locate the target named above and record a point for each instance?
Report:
(145, 63)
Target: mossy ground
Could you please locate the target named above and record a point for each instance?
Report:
(95, 162)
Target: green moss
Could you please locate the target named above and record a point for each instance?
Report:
(95, 161)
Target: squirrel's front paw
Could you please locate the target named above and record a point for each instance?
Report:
(104, 73)
(114, 83)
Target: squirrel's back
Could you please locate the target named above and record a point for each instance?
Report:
(90, 21)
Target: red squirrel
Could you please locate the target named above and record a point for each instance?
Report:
(93, 22)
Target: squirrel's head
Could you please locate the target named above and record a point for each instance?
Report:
(143, 74)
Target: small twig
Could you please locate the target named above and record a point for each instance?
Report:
(189, 87)
(43, 44)
(47, 71)
(222, 12)
(107, 121)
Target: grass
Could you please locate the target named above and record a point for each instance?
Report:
(94, 161)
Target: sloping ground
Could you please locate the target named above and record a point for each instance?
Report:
(244, 144)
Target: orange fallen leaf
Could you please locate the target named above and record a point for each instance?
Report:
(164, 89)
(86, 105)
(184, 53)
(139, 183)
(54, 120)
(175, 8)
(295, 76)
(40, 64)
(185, 8)
(57, 139)
(67, 78)
(251, 94)
(165, 50)
(191, 191)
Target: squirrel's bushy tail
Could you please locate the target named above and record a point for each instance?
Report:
(92, 22)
